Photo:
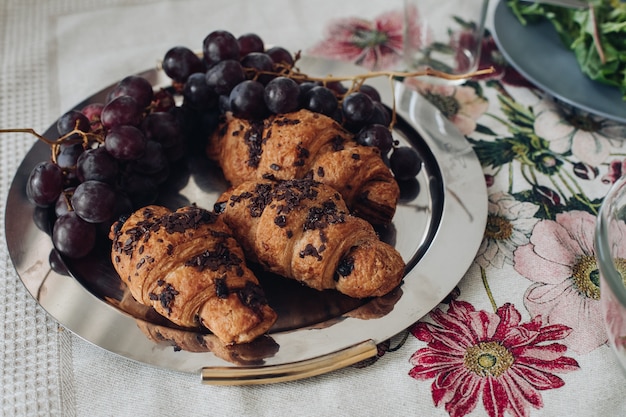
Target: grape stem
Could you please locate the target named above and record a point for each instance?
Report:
(31, 131)
(86, 138)
(428, 72)
(358, 80)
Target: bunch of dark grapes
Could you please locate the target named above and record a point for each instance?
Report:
(109, 159)
(241, 76)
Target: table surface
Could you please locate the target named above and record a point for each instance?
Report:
(522, 333)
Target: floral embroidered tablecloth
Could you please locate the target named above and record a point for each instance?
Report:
(547, 166)
(521, 335)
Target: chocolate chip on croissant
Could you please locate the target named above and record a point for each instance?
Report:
(189, 268)
(302, 229)
(301, 144)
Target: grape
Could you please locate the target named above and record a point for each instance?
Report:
(162, 175)
(97, 164)
(71, 120)
(321, 100)
(56, 263)
(224, 103)
(63, 204)
(153, 159)
(371, 92)
(225, 75)
(405, 163)
(280, 56)
(163, 101)
(261, 62)
(197, 92)
(141, 189)
(72, 236)
(338, 115)
(93, 201)
(68, 154)
(250, 42)
(376, 135)
(188, 120)
(122, 110)
(357, 108)
(180, 62)
(125, 142)
(44, 219)
(218, 46)
(409, 189)
(67, 158)
(162, 127)
(93, 112)
(337, 87)
(305, 87)
(281, 95)
(45, 183)
(193, 125)
(123, 206)
(208, 122)
(136, 87)
(176, 152)
(380, 115)
(247, 100)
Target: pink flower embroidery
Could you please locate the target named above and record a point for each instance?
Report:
(472, 353)
(374, 44)
(560, 260)
(460, 104)
(589, 138)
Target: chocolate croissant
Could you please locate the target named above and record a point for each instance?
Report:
(303, 143)
(189, 268)
(302, 229)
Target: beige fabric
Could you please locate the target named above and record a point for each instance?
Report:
(53, 54)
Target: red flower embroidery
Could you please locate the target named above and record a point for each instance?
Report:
(616, 169)
(374, 44)
(471, 352)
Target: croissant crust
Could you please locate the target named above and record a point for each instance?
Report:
(189, 268)
(302, 229)
(301, 144)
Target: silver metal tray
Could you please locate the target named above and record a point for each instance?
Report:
(437, 228)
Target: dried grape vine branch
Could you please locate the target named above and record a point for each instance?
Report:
(72, 137)
(293, 72)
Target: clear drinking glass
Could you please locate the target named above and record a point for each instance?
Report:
(445, 35)
(610, 248)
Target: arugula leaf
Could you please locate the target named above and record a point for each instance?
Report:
(599, 44)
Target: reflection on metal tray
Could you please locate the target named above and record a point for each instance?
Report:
(437, 228)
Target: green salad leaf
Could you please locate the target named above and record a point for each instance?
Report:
(595, 34)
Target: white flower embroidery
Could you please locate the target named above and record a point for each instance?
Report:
(509, 225)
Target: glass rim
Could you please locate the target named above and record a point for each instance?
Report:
(602, 248)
